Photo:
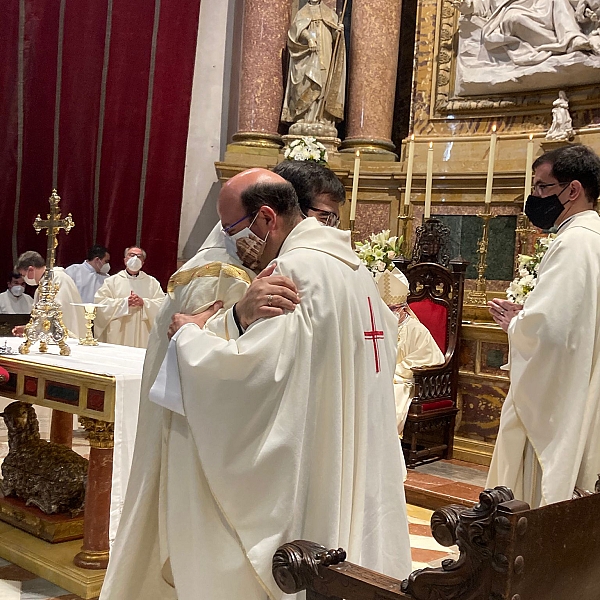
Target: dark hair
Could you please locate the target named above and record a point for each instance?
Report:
(31, 258)
(281, 197)
(14, 275)
(575, 162)
(96, 251)
(311, 179)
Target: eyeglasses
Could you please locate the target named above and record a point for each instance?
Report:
(540, 188)
(325, 216)
(227, 229)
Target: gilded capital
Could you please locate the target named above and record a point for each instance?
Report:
(100, 434)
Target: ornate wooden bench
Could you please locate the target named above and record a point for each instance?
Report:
(507, 552)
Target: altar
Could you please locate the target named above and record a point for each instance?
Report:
(101, 385)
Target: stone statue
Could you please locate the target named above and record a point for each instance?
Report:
(524, 41)
(316, 83)
(562, 125)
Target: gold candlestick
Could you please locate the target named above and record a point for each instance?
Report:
(478, 296)
(407, 220)
(524, 233)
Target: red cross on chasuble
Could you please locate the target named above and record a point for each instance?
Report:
(374, 335)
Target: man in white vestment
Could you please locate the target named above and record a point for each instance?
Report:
(14, 301)
(91, 273)
(416, 346)
(130, 302)
(549, 437)
(242, 467)
(32, 266)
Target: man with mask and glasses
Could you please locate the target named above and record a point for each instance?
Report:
(549, 437)
(14, 301)
(130, 302)
(245, 436)
(91, 273)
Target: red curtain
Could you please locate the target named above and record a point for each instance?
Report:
(95, 98)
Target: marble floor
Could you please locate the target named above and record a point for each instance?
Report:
(18, 584)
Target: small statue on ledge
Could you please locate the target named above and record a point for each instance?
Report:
(562, 124)
(47, 475)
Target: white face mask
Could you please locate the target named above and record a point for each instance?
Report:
(134, 264)
(30, 280)
(105, 268)
(17, 290)
(247, 246)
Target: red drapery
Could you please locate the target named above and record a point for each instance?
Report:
(94, 99)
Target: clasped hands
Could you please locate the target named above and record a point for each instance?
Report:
(503, 311)
(135, 300)
(267, 296)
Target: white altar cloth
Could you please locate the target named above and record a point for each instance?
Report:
(124, 363)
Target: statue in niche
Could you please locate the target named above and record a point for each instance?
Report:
(316, 83)
(562, 125)
(525, 40)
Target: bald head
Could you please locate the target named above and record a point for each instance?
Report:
(233, 188)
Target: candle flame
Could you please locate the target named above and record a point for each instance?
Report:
(357, 154)
(430, 145)
(412, 137)
(494, 129)
(530, 136)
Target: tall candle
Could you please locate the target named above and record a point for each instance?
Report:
(354, 199)
(429, 181)
(490, 174)
(528, 167)
(409, 169)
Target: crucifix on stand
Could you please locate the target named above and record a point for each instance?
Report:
(46, 325)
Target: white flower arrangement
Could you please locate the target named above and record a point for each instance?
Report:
(306, 148)
(378, 252)
(528, 267)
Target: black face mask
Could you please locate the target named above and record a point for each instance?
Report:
(543, 212)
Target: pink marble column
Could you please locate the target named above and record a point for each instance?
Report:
(373, 63)
(61, 428)
(261, 84)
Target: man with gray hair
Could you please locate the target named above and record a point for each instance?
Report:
(131, 300)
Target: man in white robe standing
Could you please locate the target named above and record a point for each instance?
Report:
(14, 301)
(91, 273)
(130, 302)
(32, 266)
(549, 437)
(288, 430)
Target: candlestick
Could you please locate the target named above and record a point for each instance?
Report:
(490, 174)
(409, 169)
(528, 168)
(429, 181)
(478, 296)
(354, 199)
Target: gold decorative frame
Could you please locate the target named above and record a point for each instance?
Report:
(444, 102)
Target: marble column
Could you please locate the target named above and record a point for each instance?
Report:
(261, 82)
(61, 428)
(96, 517)
(373, 62)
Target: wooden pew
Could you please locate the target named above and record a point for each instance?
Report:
(507, 552)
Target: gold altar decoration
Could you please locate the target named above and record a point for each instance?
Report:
(478, 296)
(407, 218)
(43, 474)
(525, 233)
(100, 434)
(89, 312)
(46, 325)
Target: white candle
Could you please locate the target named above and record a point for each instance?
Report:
(528, 167)
(354, 199)
(429, 181)
(409, 169)
(490, 174)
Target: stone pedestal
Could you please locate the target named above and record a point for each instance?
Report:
(61, 428)
(373, 64)
(95, 551)
(261, 85)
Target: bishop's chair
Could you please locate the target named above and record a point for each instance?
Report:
(436, 297)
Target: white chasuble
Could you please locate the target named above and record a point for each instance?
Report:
(67, 296)
(416, 348)
(549, 437)
(119, 323)
(140, 561)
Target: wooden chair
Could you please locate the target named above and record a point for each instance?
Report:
(507, 552)
(436, 297)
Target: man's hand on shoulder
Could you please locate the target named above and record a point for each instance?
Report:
(18, 330)
(179, 320)
(268, 296)
(503, 311)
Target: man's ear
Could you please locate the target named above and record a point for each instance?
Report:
(576, 190)
(269, 216)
